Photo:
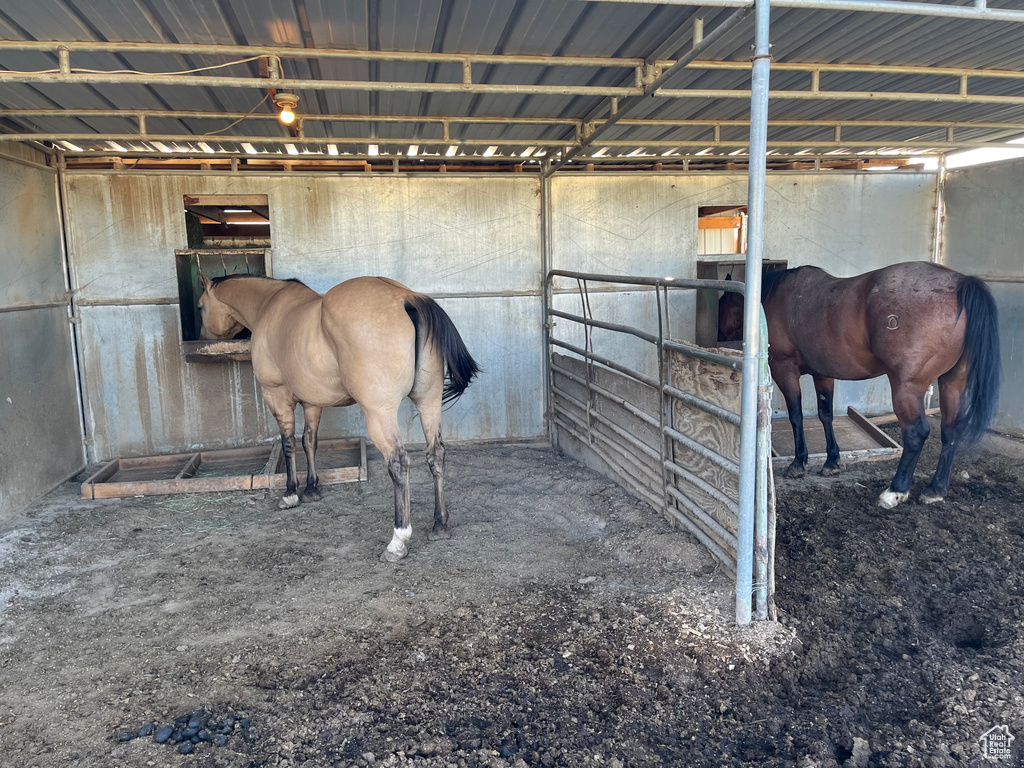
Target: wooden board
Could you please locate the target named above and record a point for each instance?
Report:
(858, 438)
(718, 385)
(235, 469)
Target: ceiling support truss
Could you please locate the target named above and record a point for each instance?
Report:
(646, 78)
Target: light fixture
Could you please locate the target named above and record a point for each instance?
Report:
(286, 103)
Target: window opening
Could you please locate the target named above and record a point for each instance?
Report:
(226, 235)
(706, 327)
(721, 229)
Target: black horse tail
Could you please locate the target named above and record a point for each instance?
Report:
(981, 350)
(434, 326)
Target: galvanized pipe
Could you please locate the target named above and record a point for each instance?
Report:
(874, 69)
(703, 485)
(946, 98)
(712, 526)
(937, 144)
(181, 138)
(617, 327)
(639, 475)
(671, 282)
(285, 52)
(698, 353)
(690, 399)
(709, 408)
(297, 84)
(762, 554)
(601, 419)
(609, 396)
(752, 309)
(297, 140)
(545, 302)
(630, 439)
(704, 452)
(869, 6)
(652, 383)
(276, 158)
(691, 351)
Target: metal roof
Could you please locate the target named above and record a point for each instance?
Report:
(502, 80)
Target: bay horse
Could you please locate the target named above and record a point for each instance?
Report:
(368, 341)
(915, 322)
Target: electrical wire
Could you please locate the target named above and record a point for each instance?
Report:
(82, 70)
(232, 125)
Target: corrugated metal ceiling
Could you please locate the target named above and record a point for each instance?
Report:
(102, 104)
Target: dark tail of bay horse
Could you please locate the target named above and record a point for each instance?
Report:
(981, 350)
(434, 326)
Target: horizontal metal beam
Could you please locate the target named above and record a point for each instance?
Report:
(669, 162)
(812, 95)
(453, 120)
(215, 138)
(829, 144)
(978, 12)
(207, 81)
(250, 52)
(867, 69)
(158, 114)
(285, 52)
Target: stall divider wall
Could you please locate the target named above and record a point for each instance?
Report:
(984, 235)
(40, 424)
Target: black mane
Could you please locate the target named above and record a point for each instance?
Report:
(218, 280)
(770, 280)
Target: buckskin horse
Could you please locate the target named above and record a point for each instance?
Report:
(914, 322)
(368, 341)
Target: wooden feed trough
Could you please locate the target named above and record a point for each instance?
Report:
(858, 437)
(235, 469)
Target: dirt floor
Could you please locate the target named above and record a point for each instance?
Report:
(565, 624)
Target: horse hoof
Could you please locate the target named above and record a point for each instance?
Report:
(930, 498)
(439, 533)
(889, 498)
(828, 471)
(311, 494)
(794, 472)
(287, 502)
(388, 556)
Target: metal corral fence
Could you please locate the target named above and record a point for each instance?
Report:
(662, 417)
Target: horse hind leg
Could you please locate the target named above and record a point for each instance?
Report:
(382, 426)
(282, 405)
(429, 408)
(908, 403)
(825, 389)
(789, 383)
(951, 390)
(311, 415)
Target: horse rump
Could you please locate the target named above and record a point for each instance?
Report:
(434, 326)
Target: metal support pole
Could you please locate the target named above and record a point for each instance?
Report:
(752, 309)
(547, 283)
(762, 553)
